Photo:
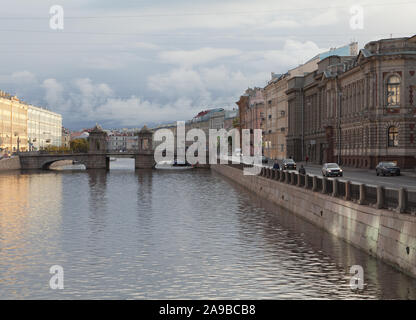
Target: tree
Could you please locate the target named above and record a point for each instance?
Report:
(55, 149)
(79, 145)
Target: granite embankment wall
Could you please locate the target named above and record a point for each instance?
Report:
(386, 234)
(10, 164)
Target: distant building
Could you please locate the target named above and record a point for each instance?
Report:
(276, 102)
(252, 113)
(230, 118)
(79, 135)
(44, 128)
(205, 120)
(357, 110)
(13, 124)
(26, 127)
(122, 141)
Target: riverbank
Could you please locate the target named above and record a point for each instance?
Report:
(387, 235)
(10, 164)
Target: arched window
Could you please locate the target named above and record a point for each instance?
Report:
(393, 91)
(393, 137)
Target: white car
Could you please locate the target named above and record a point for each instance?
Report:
(331, 170)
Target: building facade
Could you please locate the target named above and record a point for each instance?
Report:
(122, 141)
(251, 111)
(357, 110)
(13, 124)
(44, 128)
(24, 127)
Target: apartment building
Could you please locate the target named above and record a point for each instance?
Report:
(13, 124)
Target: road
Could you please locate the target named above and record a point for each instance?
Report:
(406, 180)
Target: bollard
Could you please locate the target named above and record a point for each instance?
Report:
(402, 200)
(348, 190)
(335, 188)
(292, 178)
(314, 183)
(362, 194)
(306, 181)
(380, 197)
(282, 176)
(277, 177)
(287, 176)
(324, 185)
(273, 173)
(299, 178)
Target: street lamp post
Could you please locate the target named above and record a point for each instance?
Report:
(16, 134)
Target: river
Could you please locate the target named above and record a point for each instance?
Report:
(169, 235)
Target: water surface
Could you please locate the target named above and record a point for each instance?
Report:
(169, 235)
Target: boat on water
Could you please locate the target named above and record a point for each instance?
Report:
(173, 165)
(113, 159)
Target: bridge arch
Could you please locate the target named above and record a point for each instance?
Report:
(46, 164)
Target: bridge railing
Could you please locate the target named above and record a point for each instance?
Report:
(400, 200)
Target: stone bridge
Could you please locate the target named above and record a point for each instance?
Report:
(97, 156)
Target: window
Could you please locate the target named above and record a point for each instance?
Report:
(393, 91)
(393, 137)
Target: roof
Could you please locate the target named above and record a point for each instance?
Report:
(145, 129)
(97, 129)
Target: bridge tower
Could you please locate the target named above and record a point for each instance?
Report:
(97, 142)
(144, 158)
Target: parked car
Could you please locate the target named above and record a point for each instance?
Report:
(331, 170)
(389, 168)
(264, 160)
(288, 164)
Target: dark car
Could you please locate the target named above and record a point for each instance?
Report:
(288, 164)
(264, 160)
(387, 168)
(331, 170)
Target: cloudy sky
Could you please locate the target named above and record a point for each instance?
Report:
(130, 62)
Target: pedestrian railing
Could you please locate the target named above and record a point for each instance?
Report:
(400, 200)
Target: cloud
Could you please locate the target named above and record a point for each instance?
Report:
(134, 111)
(171, 56)
(20, 77)
(196, 57)
(291, 55)
(53, 91)
(144, 45)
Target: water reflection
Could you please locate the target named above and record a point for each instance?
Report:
(157, 234)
